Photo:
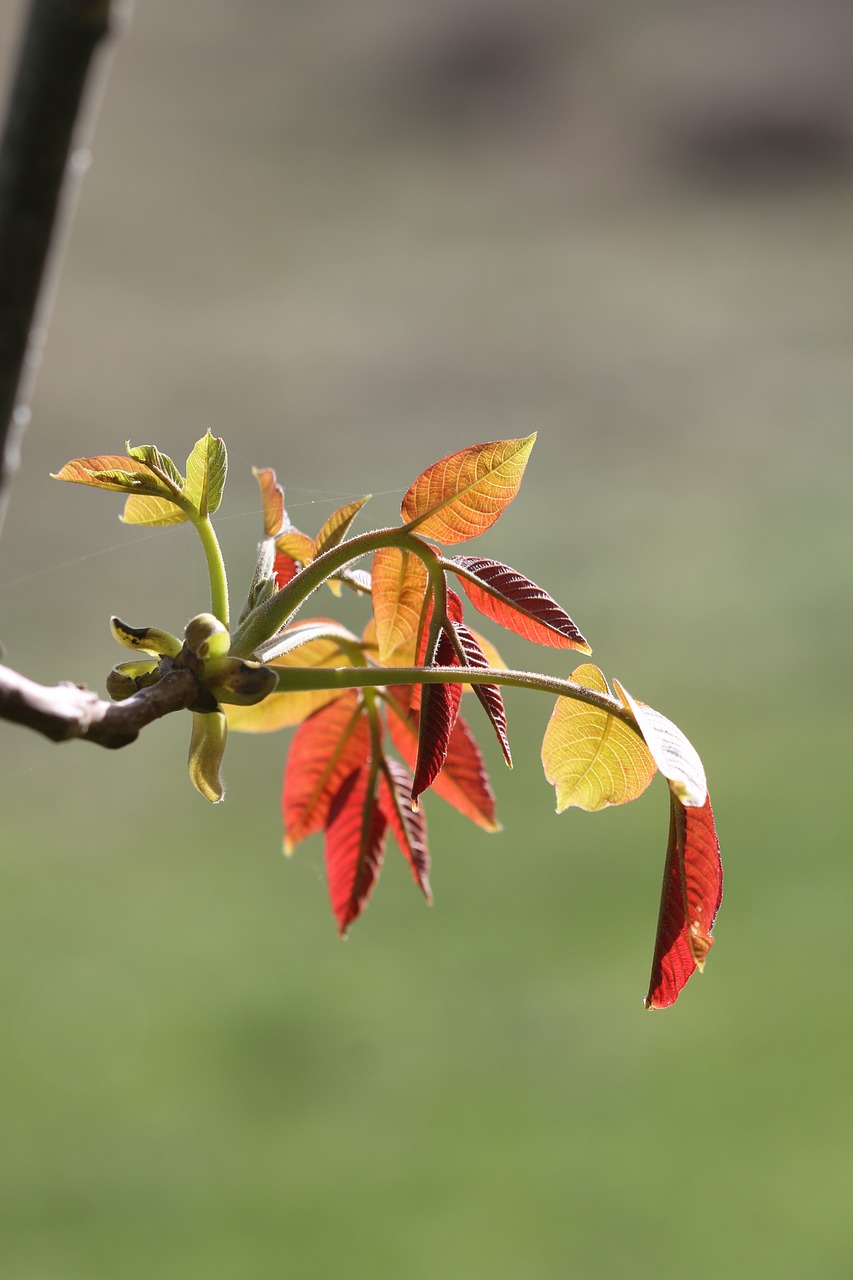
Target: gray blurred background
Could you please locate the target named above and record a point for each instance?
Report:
(351, 238)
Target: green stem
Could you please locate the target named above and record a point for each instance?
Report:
(292, 679)
(215, 569)
(270, 617)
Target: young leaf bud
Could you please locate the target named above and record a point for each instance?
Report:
(127, 678)
(207, 747)
(148, 639)
(206, 637)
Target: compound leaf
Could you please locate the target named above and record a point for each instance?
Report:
(590, 756)
(463, 494)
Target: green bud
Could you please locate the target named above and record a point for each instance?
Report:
(127, 678)
(243, 683)
(148, 639)
(206, 637)
(207, 747)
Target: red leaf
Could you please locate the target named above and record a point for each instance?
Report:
(439, 709)
(463, 782)
(513, 601)
(326, 748)
(489, 695)
(690, 898)
(355, 836)
(453, 610)
(284, 568)
(409, 828)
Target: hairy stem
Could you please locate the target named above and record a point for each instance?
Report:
(270, 617)
(292, 679)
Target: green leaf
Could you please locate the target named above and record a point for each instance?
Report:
(591, 757)
(207, 747)
(206, 469)
(160, 462)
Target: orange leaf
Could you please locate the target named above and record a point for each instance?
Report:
(690, 898)
(335, 528)
(272, 500)
(355, 836)
(325, 750)
(463, 494)
(463, 782)
(399, 587)
(120, 474)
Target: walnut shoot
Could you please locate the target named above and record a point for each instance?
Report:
(377, 717)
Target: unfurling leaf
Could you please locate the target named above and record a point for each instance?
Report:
(355, 837)
(463, 782)
(144, 510)
(272, 500)
(407, 826)
(121, 474)
(207, 747)
(591, 757)
(127, 678)
(399, 586)
(148, 639)
(508, 598)
(207, 466)
(326, 749)
(463, 494)
(336, 527)
(207, 637)
(674, 755)
(157, 461)
(690, 898)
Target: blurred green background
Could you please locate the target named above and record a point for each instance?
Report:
(351, 238)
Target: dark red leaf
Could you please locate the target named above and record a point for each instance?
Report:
(508, 598)
(326, 748)
(355, 837)
(439, 709)
(453, 610)
(409, 828)
(489, 695)
(690, 898)
(463, 782)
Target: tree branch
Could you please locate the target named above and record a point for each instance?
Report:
(53, 70)
(65, 711)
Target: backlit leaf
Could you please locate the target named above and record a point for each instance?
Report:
(325, 750)
(463, 494)
(207, 466)
(591, 757)
(336, 527)
(463, 782)
(161, 462)
(438, 712)
(489, 695)
(355, 837)
(272, 501)
(207, 747)
(285, 569)
(400, 583)
(507, 597)
(690, 898)
(140, 509)
(407, 826)
(674, 755)
(118, 473)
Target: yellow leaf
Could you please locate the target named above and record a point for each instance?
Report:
(463, 494)
(140, 509)
(675, 756)
(399, 586)
(336, 527)
(279, 710)
(591, 757)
